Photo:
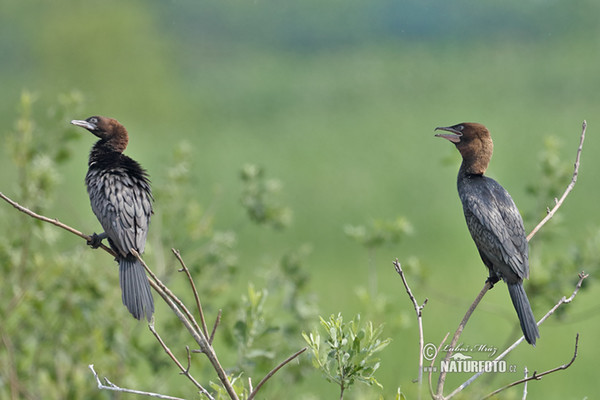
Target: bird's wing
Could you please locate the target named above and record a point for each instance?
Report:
(497, 226)
(514, 225)
(123, 205)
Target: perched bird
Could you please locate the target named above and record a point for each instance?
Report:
(121, 198)
(493, 219)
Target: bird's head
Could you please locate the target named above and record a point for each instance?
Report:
(107, 129)
(474, 143)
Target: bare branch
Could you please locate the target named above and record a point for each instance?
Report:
(189, 358)
(115, 388)
(487, 286)
(558, 202)
(539, 376)
(433, 395)
(185, 269)
(214, 330)
(55, 222)
(184, 371)
(273, 371)
(419, 312)
(526, 372)
(171, 295)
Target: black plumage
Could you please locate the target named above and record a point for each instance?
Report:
(121, 198)
(493, 219)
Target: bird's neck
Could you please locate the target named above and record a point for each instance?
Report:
(104, 158)
(476, 156)
(471, 169)
(104, 152)
(475, 163)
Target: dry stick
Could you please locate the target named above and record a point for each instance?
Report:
(169, 293)
(419, 311)
(171, 298)
(433, 361)
(525, 372)
(273, 371)
(115, 388)
(563, 300)
(533, 232)
(184, 371)
(214, 330)
(185, 269)
(53, 222)
(537, 376)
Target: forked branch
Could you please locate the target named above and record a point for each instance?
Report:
(111, 386)
(537, 376)
(419, 311)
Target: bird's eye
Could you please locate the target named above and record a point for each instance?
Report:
(94, 120)
(460, 128)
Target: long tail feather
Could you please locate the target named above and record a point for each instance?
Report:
(526, 318)
(135, 288)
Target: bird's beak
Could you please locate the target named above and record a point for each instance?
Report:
(84, 124)
(454, 135)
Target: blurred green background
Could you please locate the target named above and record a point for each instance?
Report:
(337, 100)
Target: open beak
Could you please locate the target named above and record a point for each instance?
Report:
(84, 124)
(454, 135)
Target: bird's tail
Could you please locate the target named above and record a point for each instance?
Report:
(135, 288)
(526, 318)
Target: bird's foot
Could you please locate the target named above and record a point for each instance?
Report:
(96, 240)
(492, 280)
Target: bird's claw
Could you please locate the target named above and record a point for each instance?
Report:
(96, 240)
(492, 280)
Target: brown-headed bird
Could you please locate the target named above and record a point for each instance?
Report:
(493, 219)
(121, 198)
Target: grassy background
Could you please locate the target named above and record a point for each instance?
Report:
(338, 100)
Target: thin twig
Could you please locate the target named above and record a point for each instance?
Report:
(539, 376)
(189, 358)
(419, 312)
(185, 269)
(433, 395)
(582, 276)
(53, 222)
(559, 202)
(526, 373)
(214, 330)
(273, 371)
(169, 293)
(115, 388)
(461, 326)
(184, 371)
